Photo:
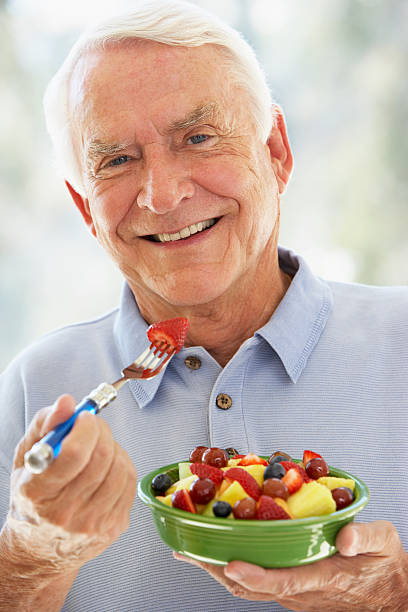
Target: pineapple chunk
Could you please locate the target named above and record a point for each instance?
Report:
(181, 484)
(332, 482)
(165, 500)
(223, 486)
(312, 499)
(283, 504)
(257, 471)
(233, 493)
(231, 463)
(184, 470)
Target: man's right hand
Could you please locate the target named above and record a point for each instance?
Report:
(74, 510)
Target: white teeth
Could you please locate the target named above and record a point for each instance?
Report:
(185, 232)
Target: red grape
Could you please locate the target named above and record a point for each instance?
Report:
(245, 508)
(316, 468)
(273, 487)
(202, 490)
(215, 456)
(343, 496)
(197, 453)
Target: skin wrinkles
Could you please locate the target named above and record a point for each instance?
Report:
(157, 99)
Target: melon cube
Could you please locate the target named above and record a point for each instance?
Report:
(184, 470)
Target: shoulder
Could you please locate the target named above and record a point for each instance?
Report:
(370, 309)
(392, 299)
(57, 349)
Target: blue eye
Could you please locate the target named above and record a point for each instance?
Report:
(118, 161)
(198, 138)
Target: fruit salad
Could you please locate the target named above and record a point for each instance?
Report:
(222, 483)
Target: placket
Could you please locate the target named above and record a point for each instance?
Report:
(226, 417)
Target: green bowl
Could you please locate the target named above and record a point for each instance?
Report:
(283, 543)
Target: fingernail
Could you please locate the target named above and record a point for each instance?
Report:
(233, 573)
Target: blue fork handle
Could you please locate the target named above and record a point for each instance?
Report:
(55, 437)
(37, 459)
(47, 449)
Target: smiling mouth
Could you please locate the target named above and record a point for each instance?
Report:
(184, 233)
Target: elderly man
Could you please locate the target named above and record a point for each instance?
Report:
(176, 158)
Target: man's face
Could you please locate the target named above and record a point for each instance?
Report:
(168, 147)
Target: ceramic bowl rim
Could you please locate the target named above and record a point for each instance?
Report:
(146, 494)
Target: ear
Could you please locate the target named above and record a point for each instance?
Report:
(279, 148)
(82, 205)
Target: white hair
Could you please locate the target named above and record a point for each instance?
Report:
(172, 22)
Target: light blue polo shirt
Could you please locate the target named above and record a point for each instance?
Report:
(328, 372)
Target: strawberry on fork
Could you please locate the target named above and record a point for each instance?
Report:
(166, 337)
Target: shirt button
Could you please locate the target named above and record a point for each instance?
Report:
(193, 362)
(223, 401)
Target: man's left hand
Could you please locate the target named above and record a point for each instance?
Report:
(369, 574)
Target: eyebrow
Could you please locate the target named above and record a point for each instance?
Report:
(211, 110)
(97, 148)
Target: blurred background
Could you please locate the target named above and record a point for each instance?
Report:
(338, 69)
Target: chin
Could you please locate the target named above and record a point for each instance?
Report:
(193, 290)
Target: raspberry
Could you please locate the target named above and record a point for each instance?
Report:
(247, 482)
(203, 470)
(268, 510)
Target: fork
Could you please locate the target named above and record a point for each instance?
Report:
(148, 364)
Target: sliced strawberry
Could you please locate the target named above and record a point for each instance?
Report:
(291, 464)
(246, 480)
(308, 454)
(172, 331)
(293, 480)
(203, 470)
(252, 459)
(181, 499)
(268, 510)
(237, 457)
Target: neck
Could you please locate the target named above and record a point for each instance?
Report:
(221, 326)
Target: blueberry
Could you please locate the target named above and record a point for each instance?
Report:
(221, 509)
(274, 470)
(161, 483)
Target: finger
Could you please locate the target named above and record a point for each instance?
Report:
(284, 582)
(377, 538)
(83, 486)
(44, 420)
(218, 573)
(75, 494)
(103, 501)
(62, 410)
(76, 451)
(118, 520)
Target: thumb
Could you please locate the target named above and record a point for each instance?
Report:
(377, 538)
(63, 408)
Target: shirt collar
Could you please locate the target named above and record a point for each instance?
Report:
(293, 330)
(298, 322)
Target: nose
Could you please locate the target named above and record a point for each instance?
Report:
(165, 182)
